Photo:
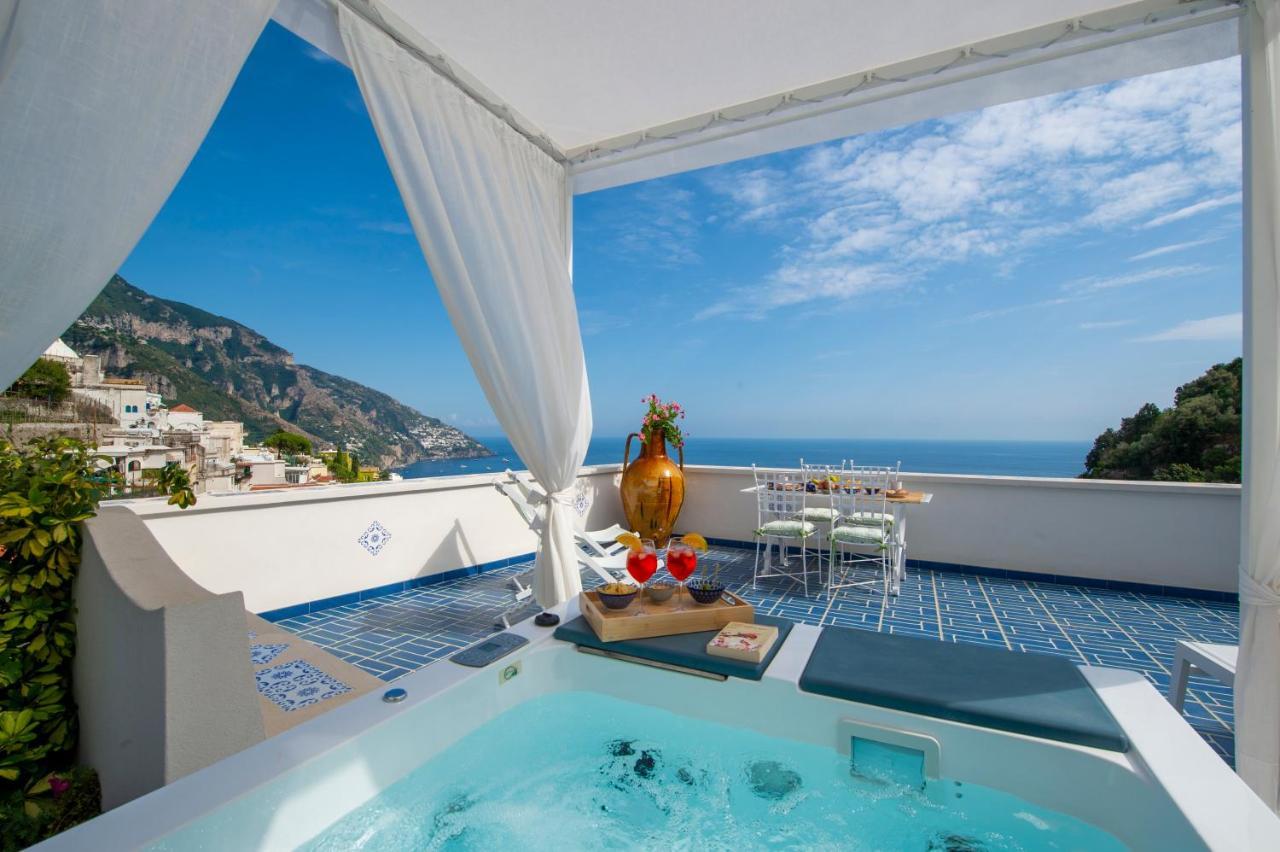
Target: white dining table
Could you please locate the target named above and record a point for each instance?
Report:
(899, 507)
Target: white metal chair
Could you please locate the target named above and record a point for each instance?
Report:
(863, 533)
(818, 508)
(885, 476)
(780, 505)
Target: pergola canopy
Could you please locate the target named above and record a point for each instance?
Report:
(626, 91)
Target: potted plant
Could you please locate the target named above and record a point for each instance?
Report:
(652, 487)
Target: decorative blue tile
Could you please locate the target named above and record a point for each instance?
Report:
(263, 654)
(374, 538)
(297, 684)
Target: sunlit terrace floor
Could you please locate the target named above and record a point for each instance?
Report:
(392, 635)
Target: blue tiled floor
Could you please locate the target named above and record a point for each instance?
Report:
(393, 635)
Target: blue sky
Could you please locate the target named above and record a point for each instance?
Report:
(1035, 270)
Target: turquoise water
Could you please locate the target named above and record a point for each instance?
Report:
(991, 458)
(581, 770)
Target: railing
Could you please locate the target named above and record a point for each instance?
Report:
(300, 546)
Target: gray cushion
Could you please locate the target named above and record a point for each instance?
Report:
(1034, 694)
(687, 649)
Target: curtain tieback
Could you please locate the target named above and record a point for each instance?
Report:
(564, 497)
(1258, 594)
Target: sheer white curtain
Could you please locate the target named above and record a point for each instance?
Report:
(103, 103)
(492, 213)
(1257, 685)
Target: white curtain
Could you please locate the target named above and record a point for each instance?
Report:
(492, 213)
(1257, 685)
(103, 103)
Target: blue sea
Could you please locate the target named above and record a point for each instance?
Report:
(992, 458)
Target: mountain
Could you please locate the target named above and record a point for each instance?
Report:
(230, 372)
(1196, 440)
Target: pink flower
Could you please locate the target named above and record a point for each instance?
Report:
(58, 786)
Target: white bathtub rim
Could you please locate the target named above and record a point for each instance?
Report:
(1214, 801)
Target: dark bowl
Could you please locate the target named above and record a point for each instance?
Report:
(617, 601)
(706, 592)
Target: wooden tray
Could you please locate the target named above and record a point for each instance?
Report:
(662, 619)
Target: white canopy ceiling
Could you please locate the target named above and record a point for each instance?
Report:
(627, 90)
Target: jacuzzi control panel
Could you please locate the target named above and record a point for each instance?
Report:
(493, 648)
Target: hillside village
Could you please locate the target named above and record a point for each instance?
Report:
(140, 434)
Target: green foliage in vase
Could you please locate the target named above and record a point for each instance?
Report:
(661, 419)
(44, 380)
(1196, 440)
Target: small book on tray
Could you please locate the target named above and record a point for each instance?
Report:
(746, 642)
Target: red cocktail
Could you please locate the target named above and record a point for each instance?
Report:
(641, 565)
(682, 561)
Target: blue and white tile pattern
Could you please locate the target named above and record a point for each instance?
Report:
(297, 684)
(261, 654)
(374, 538)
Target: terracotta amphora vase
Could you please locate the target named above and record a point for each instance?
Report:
(652, 488)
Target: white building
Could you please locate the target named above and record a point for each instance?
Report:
(264, 469)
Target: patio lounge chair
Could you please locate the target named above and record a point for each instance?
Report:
(1205, 658)
(597, 549)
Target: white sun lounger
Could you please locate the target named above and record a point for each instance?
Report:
(597, 549)
(1206, 658)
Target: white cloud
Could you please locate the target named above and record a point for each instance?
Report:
(388, 227)
(1193, 209)
(991, 184)
(660, 225)
(1110, 282)
(1101, 324)
(1175, 247)
(1225, 327)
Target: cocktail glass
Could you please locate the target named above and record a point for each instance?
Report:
(641, 565)
(682, 561)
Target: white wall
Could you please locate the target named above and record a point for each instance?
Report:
(162, 675)
(1158, 533)
(288, 547)
(291, 547)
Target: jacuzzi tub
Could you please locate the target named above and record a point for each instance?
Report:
(1169, 792)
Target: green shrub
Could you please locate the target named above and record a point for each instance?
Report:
(53, 804)
(47, 489)
(46, 380)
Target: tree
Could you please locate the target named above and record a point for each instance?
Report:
(1196, 440)
(44, 379)
(288, 444)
